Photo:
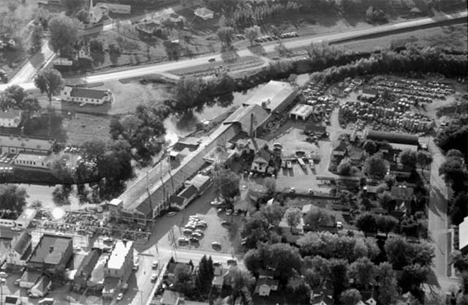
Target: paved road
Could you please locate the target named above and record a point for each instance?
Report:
(294, 43)
(438, 227)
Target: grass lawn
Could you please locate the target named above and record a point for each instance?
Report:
(84, 127)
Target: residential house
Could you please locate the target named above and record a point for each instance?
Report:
(15, 144)
(120, 261)
(36, 160)
(204, 13)
(86, 268)
(301, 111)
(10, 118)
(121, 9)
(355, 155)
(221, 277)
(41, 288)
(96, 281)
(172, 298)
(292, 234)
(20, 250)
(29, 279)
(262, 160)
(369, 94)
(115, 204)
(266, 283)
(321, 297)
(340, 149)
(186, 196)
(399, 170)
(86, 95)
(51, 252)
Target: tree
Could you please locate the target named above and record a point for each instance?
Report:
(350, 297)
(30, 105)
(367, 223)
(59, 169)
(363, 272)
(302, 294)
(72, 5)
(424, 159)
(225, 35)
(286, 260)
(251, 34)
(370, 147)
(318, 271)
(316, 217)
(83, 16)
(188, 91)
(240, 280)
(408, 158)
(130, 124)
(36, 204)
(60, 196)
(205, 275)
(63, 33)
(183, 279)
(94, 150)
(16, 93)
(35, 40)
(255, 230)
(272, 213)
(293, 217)
(227, 182)
(339, 276)
(345, 168)
(459, 261)
(50, 82)
(413, 277)
(270, 185)
(275, 31)
(386, 224)
(454, 173)
(12, 198)
(375, 167)
(454, 154)
(386, 278)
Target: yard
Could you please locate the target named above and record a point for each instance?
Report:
(85, 127)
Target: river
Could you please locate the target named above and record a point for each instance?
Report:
(176, 127)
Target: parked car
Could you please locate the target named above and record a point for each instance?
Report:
(154, 277)
(339, 225)
(216, 244)
(225, 223)
(228, 212)
(289, 164)
(155, 265)
(194, 239)
(197, 235)
(182, 241)
(171, 214)
(212, 59)
(120, 296)
(232, 262)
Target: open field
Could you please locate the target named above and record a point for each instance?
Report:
(84, 127)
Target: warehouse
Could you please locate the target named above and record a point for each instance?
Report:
(274, 97)
(301, 111)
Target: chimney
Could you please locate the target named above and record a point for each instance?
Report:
(124, 242)
(51, 249)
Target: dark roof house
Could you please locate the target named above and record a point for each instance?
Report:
(86, 267)
(52, 251)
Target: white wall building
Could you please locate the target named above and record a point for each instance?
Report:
(10, 118)
(33, 160)
(86, 95)
(204, 13)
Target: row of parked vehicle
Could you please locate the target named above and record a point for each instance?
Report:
(193, 230)
(271, 38)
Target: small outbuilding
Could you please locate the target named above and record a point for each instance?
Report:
(204, 13)
(301, 111)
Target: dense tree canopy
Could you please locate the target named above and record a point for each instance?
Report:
(13, 199)
(50, 82)
(375, 166)
(227, 182)
(63, 33)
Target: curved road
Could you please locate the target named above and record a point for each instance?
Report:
(269, 47)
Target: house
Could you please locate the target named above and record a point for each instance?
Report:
(16, 144)
(274, 97)
(172, 298)
(186, 196)
(301, 111)
(262, 160)
(463, 236)
(121, 9)
(10, 118)
(41, 288)
(221, 277)
(355, 154)
(399, 170)
(36, 160)
(371, 301)
(369, 94)
(250, 145)
(86, 268)
(20, 250)
(266, 283)
(321, 299)
(51, 252)
(29, 279)
(86, 95)
(402, 193)
(250, 119)
(120, 261)
(294, 233)
(115, 204)
(204, 13)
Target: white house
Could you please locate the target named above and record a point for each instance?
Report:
(10, 118)
(204, 13)
(33, 160)
(22, 221)
(266, 283)
(41, 288)
(21, 248)
(86, 95)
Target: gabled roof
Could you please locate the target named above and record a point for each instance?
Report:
(267, 281)
(30, 276)
(21, 242)
(178, 200)
(189, 192)
(88, 93)
(10, 114)
(272, 95)
(89, 262)
(263, 154)
(243, 116)
(341, 147)
(43, 284)
(29, 143)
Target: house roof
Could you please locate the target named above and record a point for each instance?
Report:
(89, 262)
(119, 253)
(178, 200)
(273, 95)
(302, 110)
(264, 154)
(266, 273)
(203, 11)
(400, 138)
(43, 284)
(36, 157)
(267, 281)
(189, 192)
(21, 242)
(402, 192)
(7, 233)
(243, 116)
(199, 181)
(27, 143)
(10, 114)
(171, 297)
(30, 276)
(51, 249)
(355, 153)
(12, 300)
(97, 276)
(88, 93)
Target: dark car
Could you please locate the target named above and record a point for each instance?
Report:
(212, 59)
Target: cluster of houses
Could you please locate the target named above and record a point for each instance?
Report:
(413, 90)
(393, 118)
(104, 270)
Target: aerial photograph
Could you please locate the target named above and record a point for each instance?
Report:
(234, 152)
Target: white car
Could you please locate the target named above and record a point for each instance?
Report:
(339, 225)
(120, 296)
(171, 214)
(155, 265)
